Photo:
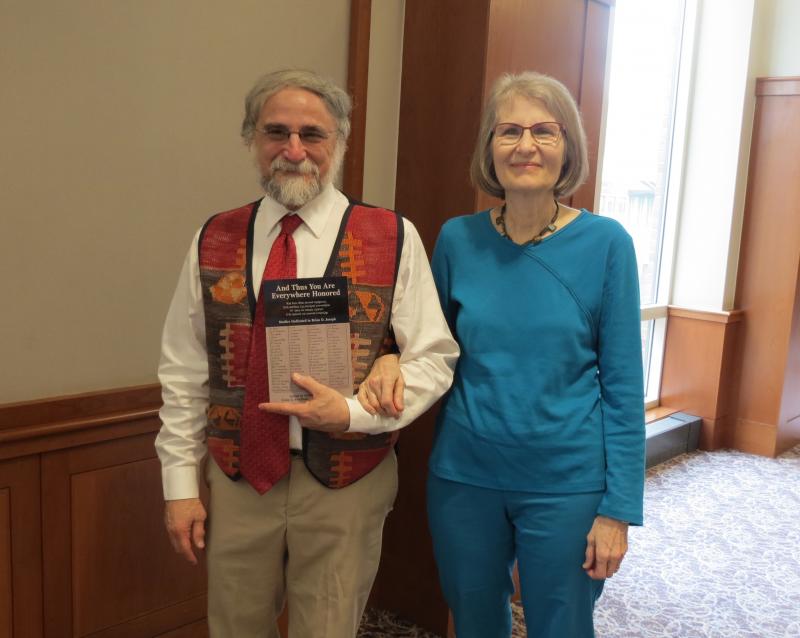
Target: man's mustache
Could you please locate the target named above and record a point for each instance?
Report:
(306, 167)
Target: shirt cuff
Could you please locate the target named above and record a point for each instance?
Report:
(180, 482)
(362, 421)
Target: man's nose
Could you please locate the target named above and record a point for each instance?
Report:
(293, 150)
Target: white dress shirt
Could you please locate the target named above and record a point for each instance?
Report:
(428, 350)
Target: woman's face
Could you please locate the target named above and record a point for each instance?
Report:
(526, 166)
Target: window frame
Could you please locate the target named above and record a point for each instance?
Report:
(658, 312)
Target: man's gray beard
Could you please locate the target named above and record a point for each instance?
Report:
(295, 191)
(292, 192)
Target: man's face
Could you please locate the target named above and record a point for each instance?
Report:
(294, 171)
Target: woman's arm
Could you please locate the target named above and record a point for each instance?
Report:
(622, 384)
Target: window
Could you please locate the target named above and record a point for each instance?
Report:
(640, 170)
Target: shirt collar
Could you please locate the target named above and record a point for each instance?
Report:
(314, 214)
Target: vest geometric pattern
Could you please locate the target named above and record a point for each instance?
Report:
(366, 252)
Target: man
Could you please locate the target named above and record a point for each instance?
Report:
(304, 523)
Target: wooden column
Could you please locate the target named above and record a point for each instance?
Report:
(768, 284)
(357, 75)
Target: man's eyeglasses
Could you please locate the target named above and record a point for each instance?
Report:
(309, 135)
(544, 133)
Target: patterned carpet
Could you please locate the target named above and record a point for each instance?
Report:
(718, 557)
(378, 623)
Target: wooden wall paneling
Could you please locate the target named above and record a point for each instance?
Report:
(768, 272)
(49, 437)
(79, 406)
(698, 369)
(110, 571)
(544, 35)
(444, 56)
(183, 615)
(523, 36)
(789, 420)
(32, 427)
(787, 86)
(20, 549)
(357, 76)
(195, 630)
(6, 590)
(591, 94)
(580, 25)
(753, 437)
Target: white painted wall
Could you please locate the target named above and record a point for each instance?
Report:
(709, 202)
(777, 29)
(737, 43)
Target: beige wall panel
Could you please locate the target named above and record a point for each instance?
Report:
(120, 137)
(383, 100)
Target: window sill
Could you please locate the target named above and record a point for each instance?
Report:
(658, 412)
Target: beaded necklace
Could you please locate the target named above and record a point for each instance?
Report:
(550, 227)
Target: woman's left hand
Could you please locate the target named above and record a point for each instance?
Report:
(606, 545)
(382, 391)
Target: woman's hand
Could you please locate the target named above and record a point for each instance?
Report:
(606, 545)
(382, 391)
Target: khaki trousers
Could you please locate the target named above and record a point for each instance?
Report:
(314, 548)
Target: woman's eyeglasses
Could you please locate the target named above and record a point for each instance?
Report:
(544, 133)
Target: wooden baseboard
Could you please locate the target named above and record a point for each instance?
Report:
(754, 437)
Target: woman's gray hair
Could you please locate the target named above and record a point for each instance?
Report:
(556, 99)
(337, 100)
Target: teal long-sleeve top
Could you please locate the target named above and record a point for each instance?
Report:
(548, 392)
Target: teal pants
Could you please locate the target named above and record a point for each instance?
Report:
(478, 533)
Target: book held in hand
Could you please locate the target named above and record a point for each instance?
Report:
(308, 331)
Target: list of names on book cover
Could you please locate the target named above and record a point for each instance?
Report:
(308, 331)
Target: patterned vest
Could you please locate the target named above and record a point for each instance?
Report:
(366, 252)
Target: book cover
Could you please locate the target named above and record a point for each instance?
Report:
(308, 331)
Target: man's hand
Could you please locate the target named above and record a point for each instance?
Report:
(185, 521)
(382, 391)
(606, 545)
(326, 410)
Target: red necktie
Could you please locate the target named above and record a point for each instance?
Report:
(264, 444)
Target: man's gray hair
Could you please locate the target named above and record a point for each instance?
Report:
(556, 99)
(337, 100)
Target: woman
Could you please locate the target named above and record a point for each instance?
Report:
(538, 455)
